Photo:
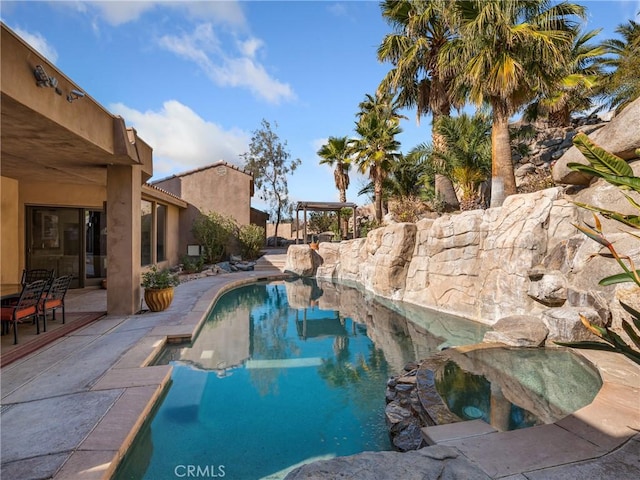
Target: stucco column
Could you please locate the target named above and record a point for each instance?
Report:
(123, 239)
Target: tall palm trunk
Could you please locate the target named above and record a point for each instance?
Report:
(445, 190)
(503, 181)
(342, 182)
(343, 223)
(377, 192)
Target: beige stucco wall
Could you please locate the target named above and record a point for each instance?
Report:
(9, 241)
(219, 188)
(285, 230)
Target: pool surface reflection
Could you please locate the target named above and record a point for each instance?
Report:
(282, 373)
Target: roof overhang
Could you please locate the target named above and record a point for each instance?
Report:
(46, 137)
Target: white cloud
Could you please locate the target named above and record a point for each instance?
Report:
(250, 46)
(38, 42)
(203, 47)
(118, 12)
(181, 139)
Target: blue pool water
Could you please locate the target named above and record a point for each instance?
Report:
(281, 374)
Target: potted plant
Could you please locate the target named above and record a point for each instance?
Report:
(158, 288)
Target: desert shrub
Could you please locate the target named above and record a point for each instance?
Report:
(536, 181)
(251, 239)
(213, 231)
(408, 209)
(366, 226)
(192, 264)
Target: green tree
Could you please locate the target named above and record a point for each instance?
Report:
(376, 149)
(409, 178)
(578, 86)
(321, 222)
(622, 85)
(251, 238)
(336, 152)
(269, 161)
(508, 53)
(420, 30)
(467, 149)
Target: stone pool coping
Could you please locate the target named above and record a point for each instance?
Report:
(144, 385)
(608, 422)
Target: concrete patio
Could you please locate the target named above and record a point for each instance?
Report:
(72, 408)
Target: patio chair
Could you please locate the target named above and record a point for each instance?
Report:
(25, 307)
(30, 276)
(53, 298)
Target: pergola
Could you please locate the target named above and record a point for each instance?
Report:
(324, 207)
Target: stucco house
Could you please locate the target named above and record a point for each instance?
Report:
(220, 187)
(73, 186)
(71, 177)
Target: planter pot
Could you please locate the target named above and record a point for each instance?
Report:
(158, 299)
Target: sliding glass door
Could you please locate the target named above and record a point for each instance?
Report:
(69, 241)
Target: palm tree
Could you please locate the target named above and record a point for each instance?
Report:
(420, 32)
(376, 149)
(508, 53)
(577, 88)
(409, 178)
(336, 152)
(467, 149)
(622, 85)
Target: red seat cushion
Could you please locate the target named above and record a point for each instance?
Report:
(7, 313)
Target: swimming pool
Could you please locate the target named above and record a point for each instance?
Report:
(280, 374)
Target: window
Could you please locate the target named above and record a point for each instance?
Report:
(161, 232)
(153, 233)
(146, 233)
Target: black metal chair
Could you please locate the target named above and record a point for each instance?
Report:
(31, 275)
(26, 306)
(53, 298)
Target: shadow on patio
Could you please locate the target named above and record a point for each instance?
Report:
(83, 306)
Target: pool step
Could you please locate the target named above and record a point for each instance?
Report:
(455, 431)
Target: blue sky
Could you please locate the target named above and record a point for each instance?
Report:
(196, 78)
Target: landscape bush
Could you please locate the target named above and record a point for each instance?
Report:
(251, 238)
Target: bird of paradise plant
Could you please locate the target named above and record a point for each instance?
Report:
(617, 172)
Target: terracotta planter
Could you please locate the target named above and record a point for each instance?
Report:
(158, 299)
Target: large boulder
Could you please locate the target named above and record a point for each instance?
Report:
(564, 324)
(302, 260)
(330, 254)
(619, 137)
(518, 331)
(548, 287)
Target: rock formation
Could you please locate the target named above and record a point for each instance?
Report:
(524, 258)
